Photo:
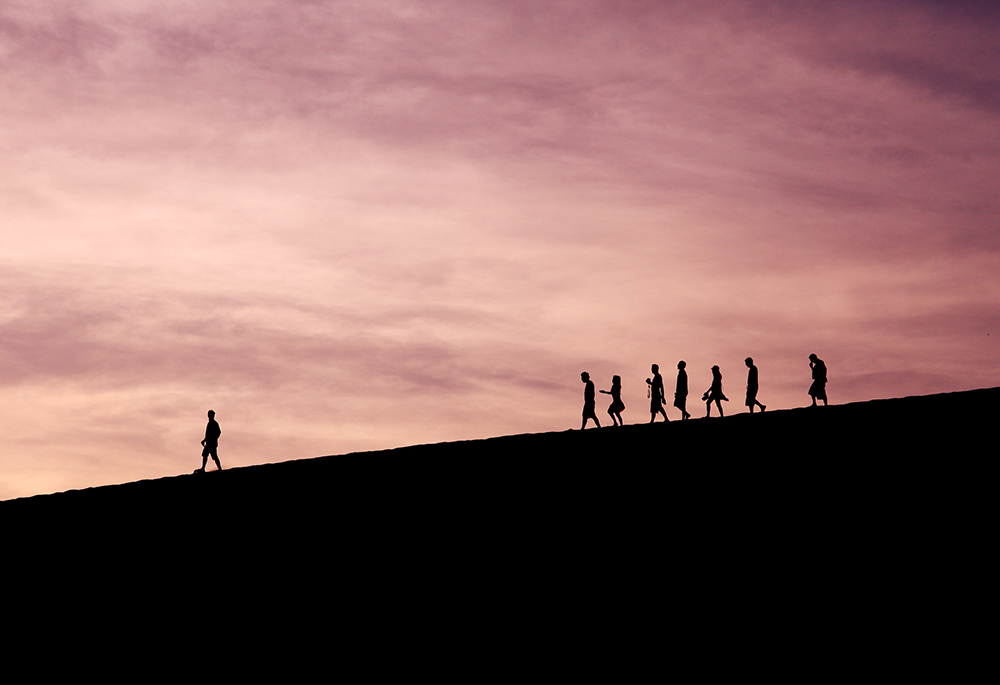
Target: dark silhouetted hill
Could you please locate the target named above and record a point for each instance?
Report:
(826, 463)
(831, 535)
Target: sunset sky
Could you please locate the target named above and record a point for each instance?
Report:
(348, 226)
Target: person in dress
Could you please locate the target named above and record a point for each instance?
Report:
(818, 388)
(714, 393)
(615, 409)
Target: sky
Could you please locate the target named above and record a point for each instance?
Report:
(349, 226)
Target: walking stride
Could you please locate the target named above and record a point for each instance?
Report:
(656, 397)
(211, 443)
(714, 394)
(752, 386)
(615, 409)
(681, 391)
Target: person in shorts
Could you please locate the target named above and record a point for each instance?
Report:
(211, 443)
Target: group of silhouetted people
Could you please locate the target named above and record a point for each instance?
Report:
(657, 394)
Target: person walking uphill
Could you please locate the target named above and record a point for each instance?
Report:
(211, 443)
(589, 400)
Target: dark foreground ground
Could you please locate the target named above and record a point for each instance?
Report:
(783, 526)
(812, 460)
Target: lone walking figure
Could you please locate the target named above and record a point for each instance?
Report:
(211, 442)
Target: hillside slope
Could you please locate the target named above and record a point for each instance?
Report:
(828, 536)
(852, 447)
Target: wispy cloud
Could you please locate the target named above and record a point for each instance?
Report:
(350, 226)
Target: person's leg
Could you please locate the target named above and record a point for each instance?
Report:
(718, 403)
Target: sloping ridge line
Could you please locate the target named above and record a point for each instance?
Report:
(812, 442)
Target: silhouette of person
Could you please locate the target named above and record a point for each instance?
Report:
(681, 391)
(615, 410)
(752, 386)
(656, 396)
(714, 394)
(589, 400)
(211, 443)
(818, 388)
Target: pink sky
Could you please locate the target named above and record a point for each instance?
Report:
(353, 226)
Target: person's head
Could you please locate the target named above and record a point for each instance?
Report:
(748, 361)
(715, 371)
(584, 376)
(655, 368)
(813, 358)
(616, 380)
(681, 364)
(211, 414)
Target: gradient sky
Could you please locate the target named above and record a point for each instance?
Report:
(358, 225)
